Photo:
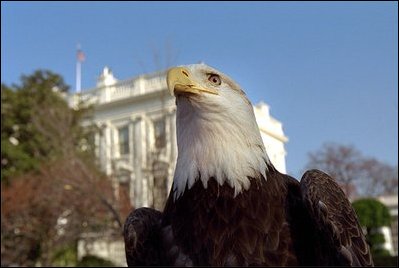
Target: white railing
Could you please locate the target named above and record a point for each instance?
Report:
(122, 89)
(155, 84)
(135, 87)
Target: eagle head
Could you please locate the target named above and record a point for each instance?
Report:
(217, 134)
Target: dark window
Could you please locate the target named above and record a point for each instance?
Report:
(123, 134)
(159, 132)
(160, 189)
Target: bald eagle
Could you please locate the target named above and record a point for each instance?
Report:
(228, 204)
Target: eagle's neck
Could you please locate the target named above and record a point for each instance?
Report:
(217, 145)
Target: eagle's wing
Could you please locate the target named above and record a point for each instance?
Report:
(336, 221)
(141, 235)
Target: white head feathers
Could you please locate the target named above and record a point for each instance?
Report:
(217, 133)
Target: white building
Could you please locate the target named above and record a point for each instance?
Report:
(137, 147)
(391, 232)
(137, 143)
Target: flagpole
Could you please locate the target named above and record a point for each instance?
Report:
(78, 70)
(78, 76)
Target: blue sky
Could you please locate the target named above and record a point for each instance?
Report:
(328, 70)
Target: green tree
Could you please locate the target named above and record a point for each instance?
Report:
(373, 215)
(15, 159)
(32, 114)
(23, 147)
(52, 191)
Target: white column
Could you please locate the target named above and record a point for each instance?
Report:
(97, 145)
(137, 162)
(147, 176)
(108, 148)
(131, 161)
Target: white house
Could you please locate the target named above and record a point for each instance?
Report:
(137, 144)
(137, 147)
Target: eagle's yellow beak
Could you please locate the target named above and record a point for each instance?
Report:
(180, 81)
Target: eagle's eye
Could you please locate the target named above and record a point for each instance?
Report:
(215, 79)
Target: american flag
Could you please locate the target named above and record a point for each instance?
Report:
(80, 55)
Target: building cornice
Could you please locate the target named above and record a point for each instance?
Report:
(274, 135)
